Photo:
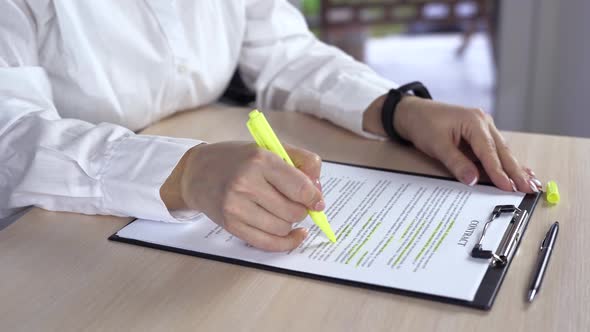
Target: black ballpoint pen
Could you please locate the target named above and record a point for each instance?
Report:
(544, 255)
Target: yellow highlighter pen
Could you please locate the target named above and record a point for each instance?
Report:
(266, 139)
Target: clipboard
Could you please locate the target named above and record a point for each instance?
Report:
(499, 259)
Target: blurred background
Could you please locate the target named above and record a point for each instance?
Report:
(524, 61)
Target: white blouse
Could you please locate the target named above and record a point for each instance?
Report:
(77, 78)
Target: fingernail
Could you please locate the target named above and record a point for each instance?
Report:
(538, 183)
(533, 186)
(320, 205)
(318, 184)
(513, 186)
(305, 232)
(469, 177)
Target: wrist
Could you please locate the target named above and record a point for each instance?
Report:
(372, 117)
(403, 116)
(171, 189)
(405, 110)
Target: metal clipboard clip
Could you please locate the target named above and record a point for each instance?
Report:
(511, 237)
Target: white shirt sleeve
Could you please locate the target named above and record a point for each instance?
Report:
(291, 70)
(65, 164)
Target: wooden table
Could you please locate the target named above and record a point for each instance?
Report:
(60, 273)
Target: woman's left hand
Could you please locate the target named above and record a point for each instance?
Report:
(457, 136)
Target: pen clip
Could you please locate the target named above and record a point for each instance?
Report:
(545, 242)
(547, 239)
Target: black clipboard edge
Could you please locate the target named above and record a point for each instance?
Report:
(346, 282)
(494, 277)
(484, 297)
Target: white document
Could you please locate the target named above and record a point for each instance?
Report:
(394, 230)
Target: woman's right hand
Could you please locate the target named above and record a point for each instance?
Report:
(249, 191)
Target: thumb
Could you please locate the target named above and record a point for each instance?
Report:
(456, 162)
(306, 161)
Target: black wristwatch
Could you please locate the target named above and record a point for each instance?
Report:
(394, 96)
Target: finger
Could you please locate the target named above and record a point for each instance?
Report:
(277, 204)
(456, 162)
(521, 179)
(307, 162)
(484, 147)
(266, 241)
(530, 172)
(295, 185)
(533, 177)
(260, 218)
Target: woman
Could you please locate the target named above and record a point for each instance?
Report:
(77, 78)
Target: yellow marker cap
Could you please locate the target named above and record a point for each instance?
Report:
(552, 193)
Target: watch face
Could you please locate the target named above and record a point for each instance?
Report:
(417, 88)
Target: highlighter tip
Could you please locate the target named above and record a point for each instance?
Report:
(320, 219)
(331, 237)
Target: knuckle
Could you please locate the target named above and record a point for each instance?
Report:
(479, 113)
(315, 159)
(297, 214)
(230, 226)
(257, 156)
(503, 146)
(240, 185)
(485, 150)
(283, 229)
(482, 141)
(489, 142)
(472, 120)
(229, 208)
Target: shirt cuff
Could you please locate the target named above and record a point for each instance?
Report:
(346, 103)
(135, 169)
